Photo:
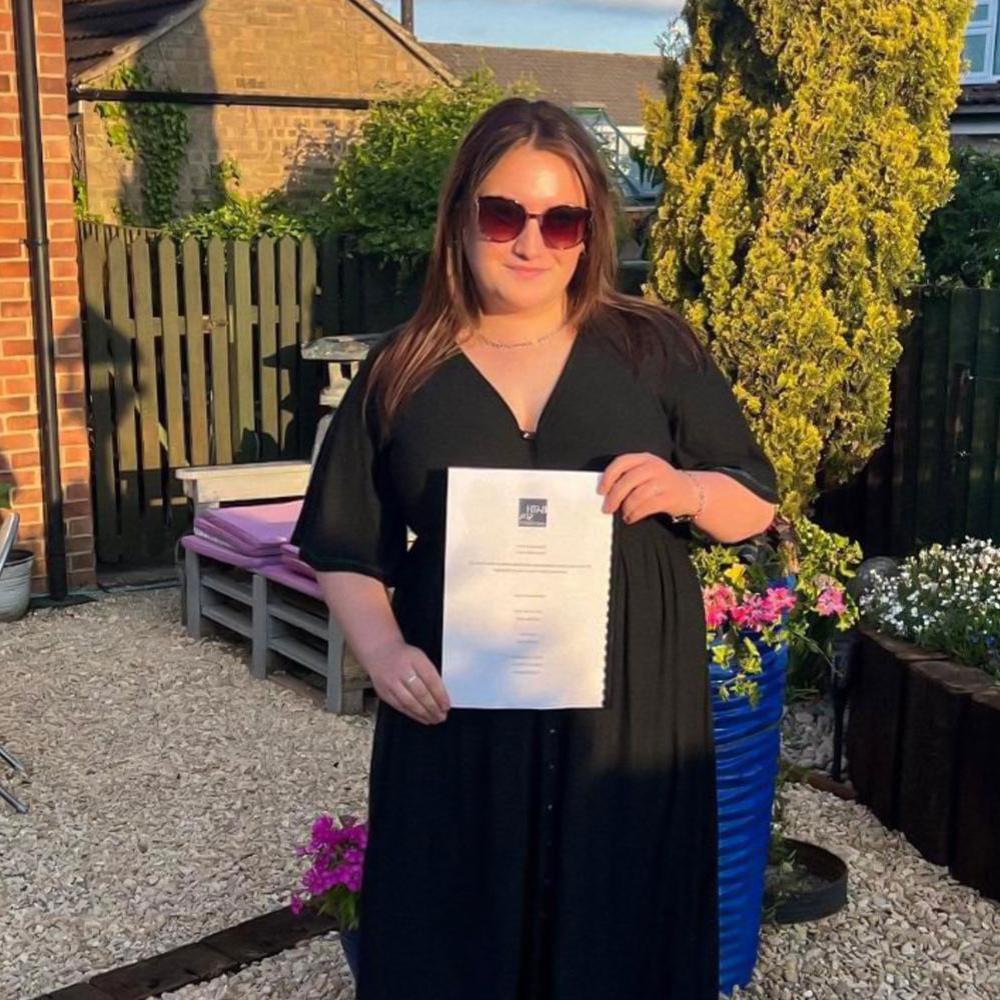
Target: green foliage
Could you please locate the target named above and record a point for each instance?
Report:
(5, 491)
(81, 204)
(155, 136)
(961, 244)
(803, 146)
(237, 216)
(386, 187)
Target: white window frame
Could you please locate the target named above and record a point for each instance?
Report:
(989, 29)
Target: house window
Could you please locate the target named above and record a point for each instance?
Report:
(981, 55)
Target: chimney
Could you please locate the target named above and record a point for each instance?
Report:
(406, 15)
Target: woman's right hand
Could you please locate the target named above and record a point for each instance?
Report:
(424, 699)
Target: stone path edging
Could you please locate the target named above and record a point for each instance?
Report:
(212, 956)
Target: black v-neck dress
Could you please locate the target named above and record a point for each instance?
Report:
(540, 855)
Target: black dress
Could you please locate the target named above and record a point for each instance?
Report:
(540, 855)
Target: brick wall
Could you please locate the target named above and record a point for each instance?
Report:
(20, 455)
(334, 48)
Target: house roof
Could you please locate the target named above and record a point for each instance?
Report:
(99, 30)
(610, 79)
(102, 33)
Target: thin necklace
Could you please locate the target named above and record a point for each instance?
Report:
(519, 343)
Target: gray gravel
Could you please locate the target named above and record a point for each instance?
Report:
(169, 789)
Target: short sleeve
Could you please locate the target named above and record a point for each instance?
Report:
(349, 519)
(710, 432)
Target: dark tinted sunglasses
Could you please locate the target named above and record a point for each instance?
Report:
(501, 220)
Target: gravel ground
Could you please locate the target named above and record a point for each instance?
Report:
(807, 735)
(169, 789)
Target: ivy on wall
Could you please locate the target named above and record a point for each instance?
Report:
(155, 136)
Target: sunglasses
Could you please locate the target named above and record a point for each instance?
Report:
(501, 220)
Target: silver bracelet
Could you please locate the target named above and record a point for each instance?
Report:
(682, 518)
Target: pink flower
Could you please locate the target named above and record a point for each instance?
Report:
(719, 601)
(757, 611)
(831, 602)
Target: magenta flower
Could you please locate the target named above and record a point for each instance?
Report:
(719, 601)
(337, 854)
(831, 602)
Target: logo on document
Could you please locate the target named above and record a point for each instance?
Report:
(532, 513)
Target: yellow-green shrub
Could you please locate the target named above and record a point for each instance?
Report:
(803, 145)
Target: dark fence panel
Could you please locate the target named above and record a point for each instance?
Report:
(936, 477)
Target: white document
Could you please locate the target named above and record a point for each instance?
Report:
(527, 582)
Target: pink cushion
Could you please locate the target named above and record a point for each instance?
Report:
(224, 554)
(264, 524)
(280, 573)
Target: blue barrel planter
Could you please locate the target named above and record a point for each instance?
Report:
(747, 752)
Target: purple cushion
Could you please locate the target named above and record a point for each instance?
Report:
(280, 573)
(290, 558)
(225, 554)
(223, 536)
(264, 524)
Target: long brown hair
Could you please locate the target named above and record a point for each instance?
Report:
(450, 300)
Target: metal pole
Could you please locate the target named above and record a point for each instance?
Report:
(41, 294)
(406, 15)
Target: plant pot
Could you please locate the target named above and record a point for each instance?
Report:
(350, 941)
(747, 751)
(15, 584)
(815, 887)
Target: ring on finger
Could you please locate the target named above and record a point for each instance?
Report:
(409, 680)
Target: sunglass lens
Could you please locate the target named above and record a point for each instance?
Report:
(564, 226)
(500, 219)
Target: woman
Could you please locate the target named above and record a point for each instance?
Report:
(516, 854)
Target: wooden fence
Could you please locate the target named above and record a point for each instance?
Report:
(193, 357)
(936, 478)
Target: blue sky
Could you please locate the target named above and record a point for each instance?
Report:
(592, 25)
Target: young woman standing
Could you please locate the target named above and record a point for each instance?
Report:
(554, 854)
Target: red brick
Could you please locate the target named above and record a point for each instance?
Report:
(24, 459)
(50, 44)
(68, 346)
(77, 508)
(65, 288)
(15, 308)
(20, 385)
(14, 367)
(74, 455)
(12, 348)
(30, 496)
(17, 404)
(79, 526)
(73, 436)
(14, 269)
(9, 248)
(21, 422)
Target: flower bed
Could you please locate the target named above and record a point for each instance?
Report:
(923, 737)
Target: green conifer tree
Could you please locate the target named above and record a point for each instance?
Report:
(803, 145)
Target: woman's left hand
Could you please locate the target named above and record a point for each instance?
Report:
(642, 484)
